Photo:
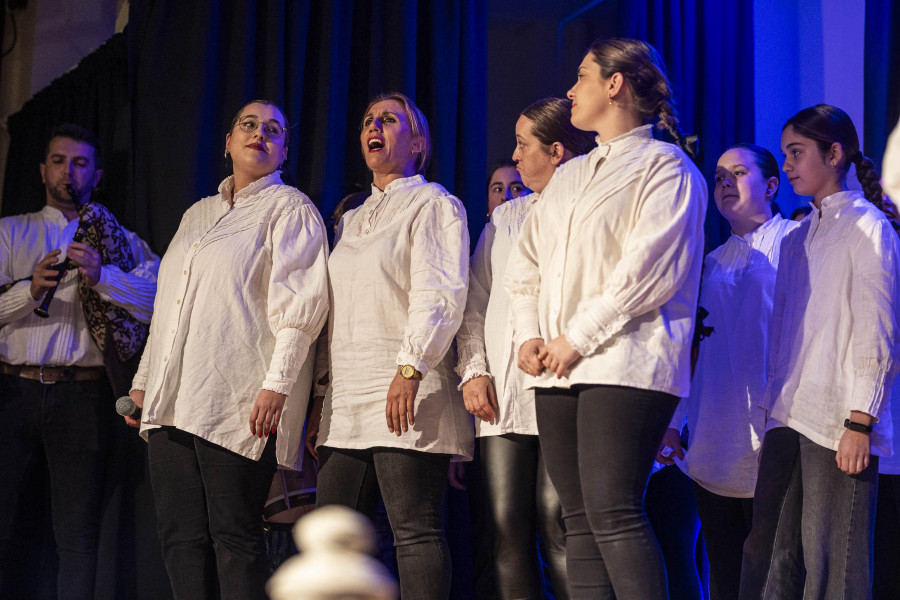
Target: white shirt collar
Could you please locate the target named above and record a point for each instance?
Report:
(227, 185)
(397, 184)
(54, 214)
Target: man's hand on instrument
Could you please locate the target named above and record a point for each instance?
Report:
(44, 276)
(88, 261)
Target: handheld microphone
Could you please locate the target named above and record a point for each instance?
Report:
(126, 407)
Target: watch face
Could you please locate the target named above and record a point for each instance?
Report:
(406, 371)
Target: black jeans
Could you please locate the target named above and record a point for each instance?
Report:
(599, 443)
(67, 427)
(412, 485)
(670, 506)
(726, 524)
(210, 500)
(886, 584)
(523, 506)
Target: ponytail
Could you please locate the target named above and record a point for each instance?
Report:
(870, 180)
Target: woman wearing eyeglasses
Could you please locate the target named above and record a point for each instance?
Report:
(225, 377)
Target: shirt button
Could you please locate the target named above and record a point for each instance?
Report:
(196, 244)
(173, 332)
(165, 359)
(178, 302)
(185, 271)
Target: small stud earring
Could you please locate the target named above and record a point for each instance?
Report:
(226, 154)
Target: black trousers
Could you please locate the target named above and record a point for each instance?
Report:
(599, 443)
(412, 485)
(726, 525)
(886, 581)
(66, 429)
(209, 504)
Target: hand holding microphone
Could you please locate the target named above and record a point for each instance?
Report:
(130, 407)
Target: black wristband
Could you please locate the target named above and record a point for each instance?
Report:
(854, 426)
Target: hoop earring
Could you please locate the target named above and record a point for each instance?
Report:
(226, 154)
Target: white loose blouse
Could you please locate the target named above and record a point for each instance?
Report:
(834, 323)
(723, 415)
(398, 279)
(486, 341)
(242, 296)
(611, 257)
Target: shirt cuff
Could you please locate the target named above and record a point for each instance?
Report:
(869, 393)
(592, 327)
(471, 372)
(291, 348)
(404, 358)
(139, 383)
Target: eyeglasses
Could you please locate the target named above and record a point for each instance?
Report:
(272, 128)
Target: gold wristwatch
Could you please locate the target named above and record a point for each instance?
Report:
(409, 372)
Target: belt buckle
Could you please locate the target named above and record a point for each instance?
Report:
(41, 377)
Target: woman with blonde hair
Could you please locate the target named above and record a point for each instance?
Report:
(391, 418)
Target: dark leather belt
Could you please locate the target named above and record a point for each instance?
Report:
(49, 374)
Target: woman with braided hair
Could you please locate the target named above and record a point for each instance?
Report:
(833, 357)
(603, 287)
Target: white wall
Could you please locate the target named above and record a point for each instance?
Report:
(806, 52)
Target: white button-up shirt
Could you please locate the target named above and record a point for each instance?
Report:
(399, 274)
(486, 340)
(723, 415)
(242, 296)
(834, 327)
(611, 257)
(63, 338)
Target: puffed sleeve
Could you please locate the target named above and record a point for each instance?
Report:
(298, 292)
(873, 294)
(523, 278)
(470, 343)
(439, 277)
(660, 254)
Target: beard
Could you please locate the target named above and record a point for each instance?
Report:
(59, 193)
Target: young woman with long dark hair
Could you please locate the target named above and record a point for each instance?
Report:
(603, 287)
(832, 360)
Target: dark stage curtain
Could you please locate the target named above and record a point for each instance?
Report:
(93, 94)
(707, 46)
(882, 75)
(195, 63)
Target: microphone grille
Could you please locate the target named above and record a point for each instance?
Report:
(125, 406)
